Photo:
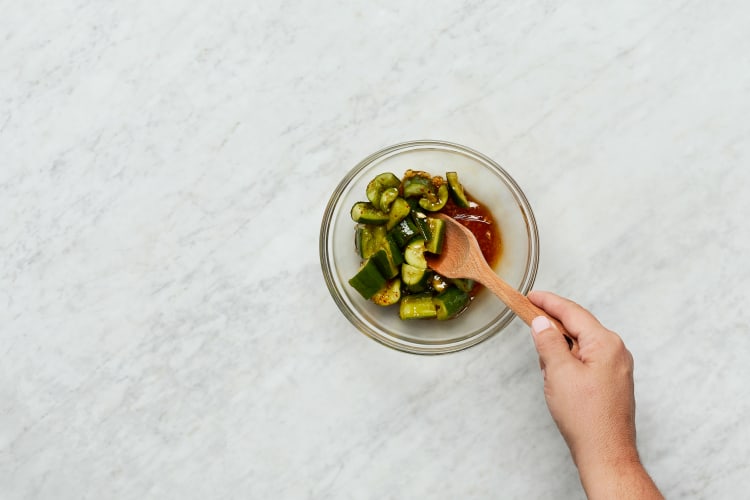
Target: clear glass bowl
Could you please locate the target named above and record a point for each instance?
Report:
(487, 182)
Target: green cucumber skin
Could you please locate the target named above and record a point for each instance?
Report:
(387, 199)
(404, 232)
(437, 236)
(464, 284)
(368, 280)
(379, 184)
(400, 209)
(422, 224)
(385, 264)
(417, 186)
(418, 306)
(388, 258)
(414, 204)
(360, 240)
(366, 213)
(369, 238)
(450, 302)
(393, 251)
(457, 190)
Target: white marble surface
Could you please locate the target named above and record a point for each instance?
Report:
(165, 331)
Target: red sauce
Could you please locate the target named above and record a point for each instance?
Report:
(480, 222)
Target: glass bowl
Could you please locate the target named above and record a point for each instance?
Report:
(485, 181)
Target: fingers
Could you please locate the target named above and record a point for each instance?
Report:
(550, 344)
(575, 318)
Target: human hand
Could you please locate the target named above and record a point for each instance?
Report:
(590, 397)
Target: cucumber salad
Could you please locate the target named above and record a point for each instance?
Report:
(394, 230)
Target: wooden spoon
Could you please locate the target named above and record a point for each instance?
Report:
(462, 258)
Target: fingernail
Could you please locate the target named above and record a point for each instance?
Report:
(539, 324)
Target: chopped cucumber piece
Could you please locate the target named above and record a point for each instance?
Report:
(389, 294)
(378, 185)
(394, 252)
(415, 278)
(387, 198)
(414, 204)
(423, 225)
(435, 203)
(368, 238)
(450, 302)
(384, 264)
(417, 184)
(399, 211)
(388, 258)
(464, 284)
(457, 190)
(418, 306)
(414, 254)
(404, 232)
(437, 235)
(368, 279)
(366, 213)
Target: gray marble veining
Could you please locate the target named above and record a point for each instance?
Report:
(165, 331)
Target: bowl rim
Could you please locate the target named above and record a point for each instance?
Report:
(401, 344)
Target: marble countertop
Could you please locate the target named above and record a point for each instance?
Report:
(165, 330)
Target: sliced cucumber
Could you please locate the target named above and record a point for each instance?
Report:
(366, 213)
(388, 258)
(368, 279)
(463, 284)
(450, 302)
(389, 294)
(418, 306)
(384, 264)
(387, 198)
(437, 235)
(394, 252)
(414, 254)
(404, 232)
(368, 238)
(436, 202)
(457, 190)
(378, 185)
(415, 278)
(399, 211)
(414, 204)
(423, 225)
(417, 184)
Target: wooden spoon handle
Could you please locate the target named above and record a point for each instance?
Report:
(523, 307)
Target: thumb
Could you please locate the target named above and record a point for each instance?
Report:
(550, 344)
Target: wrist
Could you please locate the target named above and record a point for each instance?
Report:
(604, 450)
(624, 477)
(606, 457)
